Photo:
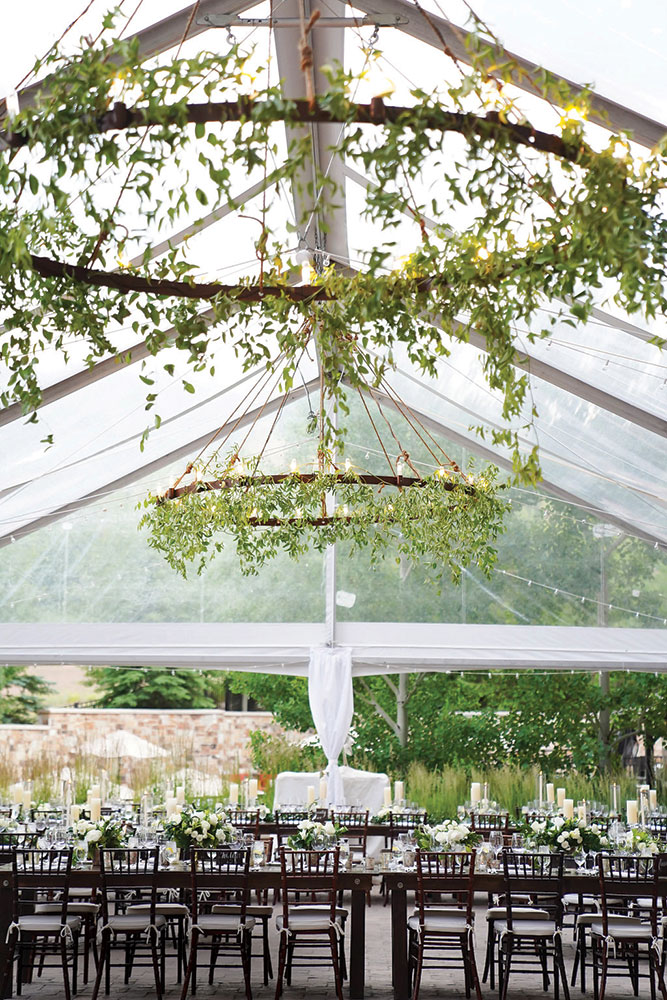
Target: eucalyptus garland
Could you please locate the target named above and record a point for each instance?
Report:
(549, 220)
(449, 520)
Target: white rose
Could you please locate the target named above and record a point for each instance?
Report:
(175, 818)
(93, 836)
(205, 826)
(213, 819)
(558, 822)
(576, 834)
(220, 835)
(329, 829)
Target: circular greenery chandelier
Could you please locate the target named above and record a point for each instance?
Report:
(551, 217)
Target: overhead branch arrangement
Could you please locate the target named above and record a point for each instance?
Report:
(114, 152)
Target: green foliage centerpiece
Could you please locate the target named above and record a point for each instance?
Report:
(199, 828)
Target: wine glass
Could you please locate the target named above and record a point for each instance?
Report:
(497, 842)
(517, 841)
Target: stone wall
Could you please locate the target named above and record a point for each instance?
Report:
(206, 738)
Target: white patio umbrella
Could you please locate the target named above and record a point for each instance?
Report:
(124, 744)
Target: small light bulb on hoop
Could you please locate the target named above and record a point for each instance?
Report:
(399, 468)
(348, 465)
(293, 466)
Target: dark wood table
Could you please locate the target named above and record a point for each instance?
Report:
(358, 883)
(399, 883)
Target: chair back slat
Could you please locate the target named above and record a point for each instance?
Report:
(130, 874)
(33, 862)
(222, 873)
(303, 872)
(246, 820)
(445, 871)
(485, 822)
(626, 878)
(536, 875)
(356, 824)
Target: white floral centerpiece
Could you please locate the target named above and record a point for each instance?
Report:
(104, 833)
(199, 828)
(450, 835)
(310, 834)
(567, 835)
(640, 842)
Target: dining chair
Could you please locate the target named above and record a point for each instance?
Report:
(628, 930)
(287, 820)
(56, 933)
(524, 943)
(130, 874)
(484, 823)
(221, 872)
(317, 927)
(436, 931)
(245, 820)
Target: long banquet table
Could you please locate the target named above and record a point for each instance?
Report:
(358, 883)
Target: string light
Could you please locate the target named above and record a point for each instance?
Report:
(580, 597)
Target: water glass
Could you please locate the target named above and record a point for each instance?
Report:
(257, 854)
(497, 842)
(517, 841)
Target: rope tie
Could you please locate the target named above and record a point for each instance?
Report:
(610, 941)
(337, 928)
(14, 926)
(286, 930)
(470, 928)
(100, 933)
(657, 945)
(152, 933)
(66, 932)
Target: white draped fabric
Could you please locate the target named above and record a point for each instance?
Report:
(332, 706)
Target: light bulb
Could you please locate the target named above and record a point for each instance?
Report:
(399, 468)
(348, 465)
(293, 465)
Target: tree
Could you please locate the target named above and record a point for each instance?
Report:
(140, 687)
(21, 694)
(638, 707)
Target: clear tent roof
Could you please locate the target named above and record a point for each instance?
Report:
(600, 391)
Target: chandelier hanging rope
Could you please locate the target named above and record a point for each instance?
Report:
(450, 516)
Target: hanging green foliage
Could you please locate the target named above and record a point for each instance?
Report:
(447, 518)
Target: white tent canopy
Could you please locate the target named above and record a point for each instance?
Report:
(375, 647)
(599, 391)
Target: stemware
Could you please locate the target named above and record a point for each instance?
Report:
(497, 842)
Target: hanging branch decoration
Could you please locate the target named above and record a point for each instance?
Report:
(449, 521)
(549, 219)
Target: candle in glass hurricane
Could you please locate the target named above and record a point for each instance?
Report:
(568, 808)
(180, 794)
(652, 799)
(311, 795)
(631, 812)
(550, 792)
(560, 797)
(399, 791)
(95, 809)
(387, 796)
(95, 792)
(252, 789)
(74, 813)
(475, 792)
(233, 793)
(323, 790)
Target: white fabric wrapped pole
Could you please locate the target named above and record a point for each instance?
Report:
(332, 706)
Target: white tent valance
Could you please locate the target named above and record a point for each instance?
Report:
(376, 647)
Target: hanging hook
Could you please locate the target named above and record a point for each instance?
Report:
(374, 37)
(231, 40)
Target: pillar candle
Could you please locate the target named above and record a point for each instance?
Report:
(324, 790)
(652, 799)
(252, 789)
(95, 792)
(631, 812)
(180, 794)
(560, 797)
(171, 805)
(95, 809)
(387, 796)
(74, 814)
(27, 799)
(568, 808)
(399, 791)
(311, 794)
(233, 793)
(17, 794)
(540, 788)
(581, 811)
(475, 792)
(550, 791)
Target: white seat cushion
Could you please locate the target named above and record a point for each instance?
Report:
(166, 909)
(302, 918)
(47, 923)
(528, 928)
(227, 923)
(76, 909)
(622, 931)
(588, 919)
(518, 913)
(439, 923)
(125, 923)
(572, 899)
(257, 911)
